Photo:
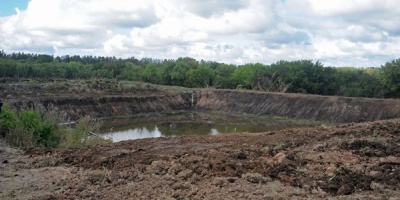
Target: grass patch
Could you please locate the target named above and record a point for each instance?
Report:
(99, 86)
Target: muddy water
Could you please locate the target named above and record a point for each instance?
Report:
(191, 123)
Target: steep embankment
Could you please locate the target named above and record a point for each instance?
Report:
(314, 107)
(112, 106)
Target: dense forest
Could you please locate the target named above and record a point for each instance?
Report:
(302, 76)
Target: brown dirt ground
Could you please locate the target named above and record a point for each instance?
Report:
(351, 161)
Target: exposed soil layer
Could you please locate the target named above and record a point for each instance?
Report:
(332, 109)
(357, 161)
(80, 99)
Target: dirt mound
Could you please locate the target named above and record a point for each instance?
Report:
(361, 161)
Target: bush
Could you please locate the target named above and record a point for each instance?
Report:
(84, 134)
(8, 120)
(35, 126)
(38, 126)
(20, 137)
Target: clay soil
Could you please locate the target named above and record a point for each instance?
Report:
(350, 161)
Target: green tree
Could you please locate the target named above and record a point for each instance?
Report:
(178, 73)
(44, 58)
(202, 76)
(8, 67)
(164, 72)
(246, 75)
(131, 72)
(223, 76)
(302, 76)
(149, 74)
(391, 78)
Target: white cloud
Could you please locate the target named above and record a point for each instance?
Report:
(339, 33)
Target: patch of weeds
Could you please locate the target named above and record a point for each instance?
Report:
(30, 81)
(277, 147)
(254, 178)
(377, 187)
(83, 134)
(8, 194)
(96, 177)
(376, 135)
(38, 125)
(33, 126)
(20, 137)
(299, 154)
(274, 189)
(168, 198)
(47, 162)
(56, 86)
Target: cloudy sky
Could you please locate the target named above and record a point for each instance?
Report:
(360, 33)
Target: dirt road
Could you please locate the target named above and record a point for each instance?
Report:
(356, 161)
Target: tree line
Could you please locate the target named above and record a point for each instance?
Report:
(302, 76)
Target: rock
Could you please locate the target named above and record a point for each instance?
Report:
(265, 149)
(279, 158)
(185, 174)
(242, 155)
(159, 167)
(376, 187)
(374, 173)
(344, 190)
(318, 147)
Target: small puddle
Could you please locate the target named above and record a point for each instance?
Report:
(190, 123)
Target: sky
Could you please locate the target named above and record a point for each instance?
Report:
(357, 33)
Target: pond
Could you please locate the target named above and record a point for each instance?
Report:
(191, 123)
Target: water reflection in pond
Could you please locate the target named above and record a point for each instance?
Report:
(189, 123)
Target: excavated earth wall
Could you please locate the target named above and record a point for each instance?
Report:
(314, 107)
(325, 108)
(112, 106)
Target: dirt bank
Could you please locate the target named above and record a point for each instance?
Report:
(101, 103)
(356, 161)
(314, 107)
(97, 103)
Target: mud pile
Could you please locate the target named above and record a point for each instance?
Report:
(357, 161)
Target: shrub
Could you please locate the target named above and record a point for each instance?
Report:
(8, 120)
(35, 126)
(38, 126)
(20, 137)
(84, 134)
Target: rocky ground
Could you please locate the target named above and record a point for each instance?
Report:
(350, 161)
